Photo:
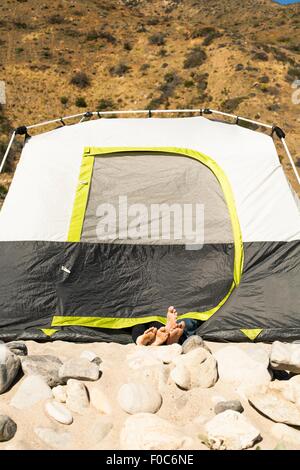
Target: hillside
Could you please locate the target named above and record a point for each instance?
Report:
(63, 57)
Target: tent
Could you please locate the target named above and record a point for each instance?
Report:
(109, 221)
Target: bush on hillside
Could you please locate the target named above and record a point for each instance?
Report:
(106, 104)
(80, 102)
(195, 58)
(231, 104)
(157, 39)
(119, 70)
(81, 80)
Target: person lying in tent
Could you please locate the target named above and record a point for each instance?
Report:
(157, 335)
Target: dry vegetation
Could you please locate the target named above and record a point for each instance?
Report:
(64, 56)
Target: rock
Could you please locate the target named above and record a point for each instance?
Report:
(200, 367)
(294, 384)
(53, 438)
(77, 397)
(59, 412)
(273, 405)
(45, 366)
(238, 368)
(80, 369)
(9, 367)
(91, 356)
(230, 430)
(181, 376)
(60, 393)
(234, 405)
(99, 430)
(18, 348)
(8, 428)
(166, 354)
(285, 357)
(32, 390)
(290, 389)
(144, 356)
(193, 342)
(156, 376)
(145, 431)
(139, 398)
(286, 434)
(99, 401)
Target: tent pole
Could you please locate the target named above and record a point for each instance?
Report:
(290, 159)
(7, 151)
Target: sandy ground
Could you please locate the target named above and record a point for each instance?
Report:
(179, 407)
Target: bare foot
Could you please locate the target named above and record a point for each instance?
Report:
(171, 318)
(175, 334)
(147, 337)
(161, 336)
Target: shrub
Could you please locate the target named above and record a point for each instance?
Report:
(157, 39)
(152, 21)
(239, 67)
(144, 67)
(64, 99)
(20, 25)
(19, 50)
(81, 80)
(56, 19)
(3, 191)
(106, 105)
(261, 56)
(231, 104)
(46, 54)
(94, 35)
(127, 46)
(119, 70)
(80, 102)
(264, 79)
(293, 73)
(198, 33)
(188, 83)
(195, 58)
(211, 37)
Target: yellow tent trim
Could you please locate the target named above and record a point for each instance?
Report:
(117, 323)
(252, 333)
(77, 220)
(81, 199)
(48, 331)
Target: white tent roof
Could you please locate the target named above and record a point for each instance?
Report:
(40, 200)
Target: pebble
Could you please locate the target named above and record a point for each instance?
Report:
(18, 348)
(234, 405)
(77, 396)
(59, 412)
(198, 368)
(99, 401)
(81, 369)
(139, 398)
(273, 405)
(60, 393)
(230, 430)
(9, 368)
(8, 428)
(32, 389)
(46, 366)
